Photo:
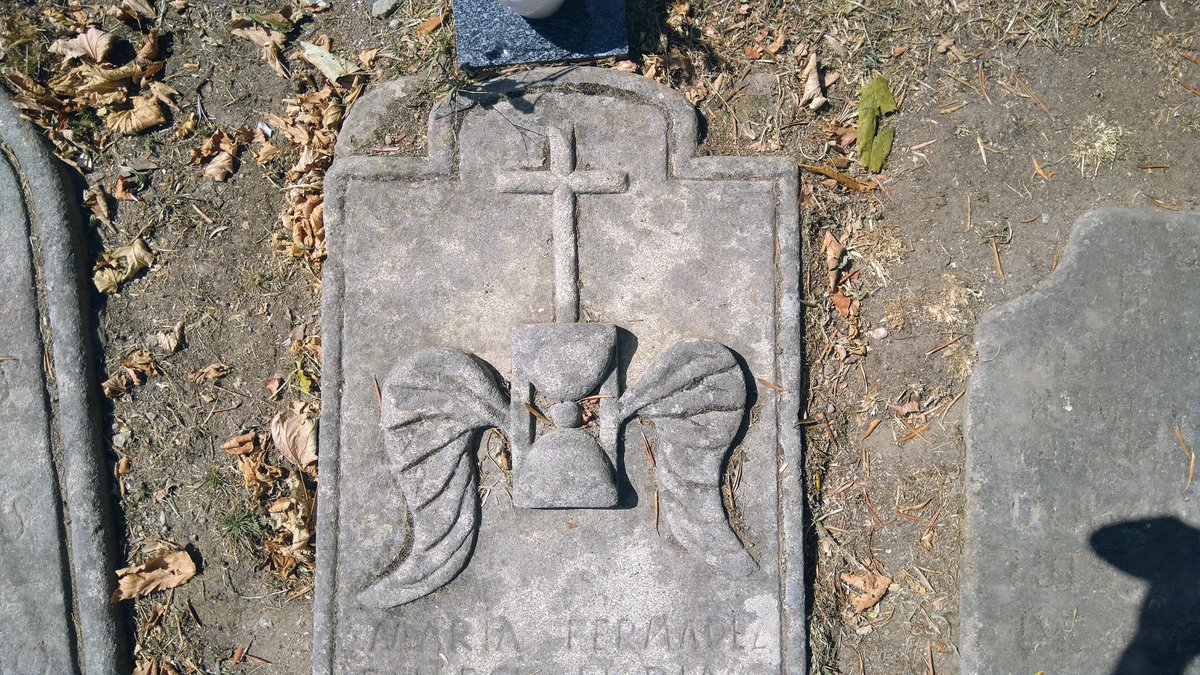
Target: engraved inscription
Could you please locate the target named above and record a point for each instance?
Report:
(657, 645)
(458, 636)
(665, 635)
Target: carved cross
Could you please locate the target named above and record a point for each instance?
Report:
(562, 180)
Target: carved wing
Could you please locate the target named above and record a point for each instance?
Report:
(695, 394)
(433, 403)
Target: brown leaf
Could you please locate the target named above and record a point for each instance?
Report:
(243, 444)
(169, 342)
(295, 438)
(164, 94)
(96, 199)
(148, 51)
(872, 586)
(144, 114)
(209, 372)
(139, 7)
(140, 363)
(906, 409)
(812, 96)
(121, 192)
(117, 385)
(121, 264)
(834, 250)
(367, 56)
(156, 574)
(271, 42)
(844, 305)
(842, 179)
(274, 387)
(265, 153)
(429, 25)
(92, 43)
(220, 167)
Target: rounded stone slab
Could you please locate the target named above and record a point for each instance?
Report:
(56, 578)
(1082, 515)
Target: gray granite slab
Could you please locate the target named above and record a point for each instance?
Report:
(1082, 545)
(563, 277)
(56, 543)
(489, 34)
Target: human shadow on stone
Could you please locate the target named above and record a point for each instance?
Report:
(1165, 552)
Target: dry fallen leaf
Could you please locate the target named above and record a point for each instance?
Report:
(274, 387)
(148, 51)
(429, 25)
(295, 438)
(129, 10)
(169, 342)
(271, 42)
(812, 97)
(333, 67)
(209, 372)
(244, 444)
(872, 586)
(121, 264)
(157, 574)
(220, 167)
(265, 154)
(144, 114)
(92, 43)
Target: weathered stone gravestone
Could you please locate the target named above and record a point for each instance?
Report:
(564, 270)
(1082, 548)
(55, 616)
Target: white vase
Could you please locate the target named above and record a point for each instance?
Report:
(533, 9)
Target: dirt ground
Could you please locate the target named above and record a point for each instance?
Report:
(1014, 118)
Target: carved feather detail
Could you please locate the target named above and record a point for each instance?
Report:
(434, 402)
(695, 394)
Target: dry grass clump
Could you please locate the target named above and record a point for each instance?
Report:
(1097, 143)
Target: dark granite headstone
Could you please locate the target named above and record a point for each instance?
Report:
(490, 34)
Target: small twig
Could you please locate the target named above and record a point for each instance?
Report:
(870, 429)
(996, 255)
(942, 346)
(983, 84)
(1189, 454)
(538, 414)
(656, 510)
(649, 452)
(1105, 13)
(1036, 99)
(951, 405)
